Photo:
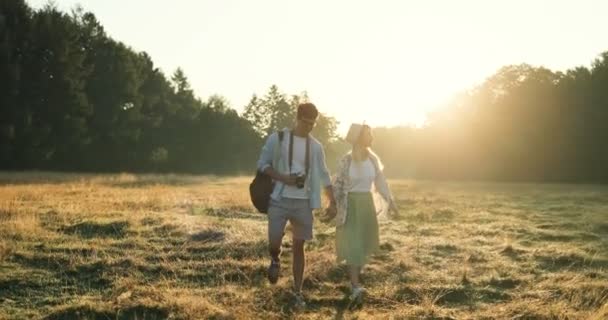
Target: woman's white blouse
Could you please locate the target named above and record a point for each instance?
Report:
(362, 175)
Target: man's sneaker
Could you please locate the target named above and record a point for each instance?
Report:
(358, 294)
(273, 271)
(300, 303)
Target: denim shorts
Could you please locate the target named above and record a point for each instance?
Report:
(297, 212)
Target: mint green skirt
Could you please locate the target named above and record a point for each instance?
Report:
(358, 238)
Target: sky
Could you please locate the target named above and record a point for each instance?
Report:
(383, 62)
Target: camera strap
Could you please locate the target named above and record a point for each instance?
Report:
(306, 157)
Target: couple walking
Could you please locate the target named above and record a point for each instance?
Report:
(296, 163)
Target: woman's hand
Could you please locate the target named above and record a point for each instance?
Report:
(330, 212)
(393, 209)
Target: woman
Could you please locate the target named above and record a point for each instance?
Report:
(356, 185)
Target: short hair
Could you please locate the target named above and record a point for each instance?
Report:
(307, 110)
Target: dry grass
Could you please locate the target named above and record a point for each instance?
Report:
(186, 247)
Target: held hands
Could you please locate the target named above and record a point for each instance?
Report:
(330, 212)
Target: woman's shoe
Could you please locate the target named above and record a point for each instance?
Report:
(300, 303)
(358, 294)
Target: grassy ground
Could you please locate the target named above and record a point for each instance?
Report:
(154, 247)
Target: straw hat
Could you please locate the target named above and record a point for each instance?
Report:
(354, 132)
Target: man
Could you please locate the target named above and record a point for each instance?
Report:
(297, 190)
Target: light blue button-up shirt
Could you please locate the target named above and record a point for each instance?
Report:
(273, 156)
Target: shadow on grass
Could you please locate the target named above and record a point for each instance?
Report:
(168, 230)
(208, 236)
(340, 304)
(21, 291)
(92, 229)
(41, 261)
(231, 213)
(513, 253)
(557, 261)
(465, 295)
(445, 250)
(281, 300)
(601, 228)
(83, 277)
(221, 251)
(92, 276)
(504, 283)
(91, 313)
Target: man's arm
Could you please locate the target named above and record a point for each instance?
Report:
(326, 180)
(267, 152)
(265, 161)
(277, 176)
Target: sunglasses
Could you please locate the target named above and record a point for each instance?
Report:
(308, 122)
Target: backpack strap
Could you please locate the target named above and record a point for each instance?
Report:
(290, 149)
(277, 150)
(307, 161)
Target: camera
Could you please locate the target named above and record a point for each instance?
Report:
(300, 180)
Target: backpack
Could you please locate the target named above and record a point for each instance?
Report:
(261, 187)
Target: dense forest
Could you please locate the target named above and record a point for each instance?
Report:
(74, 99)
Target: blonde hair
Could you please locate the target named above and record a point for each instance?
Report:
(354, 132)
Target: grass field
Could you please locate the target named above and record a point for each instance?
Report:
(188, 247)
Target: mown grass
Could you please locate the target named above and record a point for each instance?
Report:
(187, 247)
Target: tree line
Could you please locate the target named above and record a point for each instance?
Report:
(72, 98)
(523, 123)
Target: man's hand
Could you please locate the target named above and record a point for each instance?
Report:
(288, 179)
(277, 176)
